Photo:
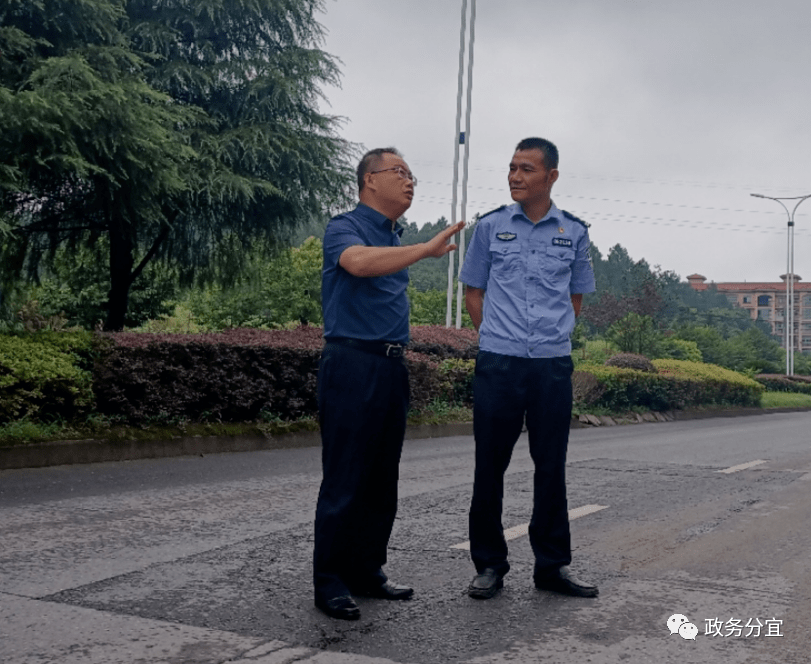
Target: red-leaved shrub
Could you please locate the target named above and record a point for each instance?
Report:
(236, 374)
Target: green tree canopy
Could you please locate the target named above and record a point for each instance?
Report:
(432, 273)
(268, 293)
(626, 286)
(170, 128)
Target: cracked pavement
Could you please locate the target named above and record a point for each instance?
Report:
(207, 560)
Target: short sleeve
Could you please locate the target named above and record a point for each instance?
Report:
(476, 268)
(582, 280)
(340, 234)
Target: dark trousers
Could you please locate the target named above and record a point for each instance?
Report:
(363, 403)
(507, 390)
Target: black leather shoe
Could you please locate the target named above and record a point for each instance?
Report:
(387, 590)
(562, 581)
(342, 607)
(486, 584)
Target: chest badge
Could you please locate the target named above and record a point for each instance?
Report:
(506, 237)
(560, 230)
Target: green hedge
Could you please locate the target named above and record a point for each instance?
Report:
(240, 374)
(45, 376)
(776, 383)
(679, 384)
(457, 381)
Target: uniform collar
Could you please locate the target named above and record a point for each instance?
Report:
(378, 218)
(553, 213)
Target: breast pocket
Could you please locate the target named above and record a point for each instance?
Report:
(558, 261)
(505, 258)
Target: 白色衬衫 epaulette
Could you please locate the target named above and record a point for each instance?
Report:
(491, 212)
(569, 215)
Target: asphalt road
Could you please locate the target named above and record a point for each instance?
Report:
(207, 559)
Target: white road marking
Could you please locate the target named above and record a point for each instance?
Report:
(743, 466)
(585, 510)
(523, 529)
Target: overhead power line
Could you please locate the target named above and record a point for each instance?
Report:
(623, 178)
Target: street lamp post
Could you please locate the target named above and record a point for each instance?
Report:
(789, 318)
(461, 138)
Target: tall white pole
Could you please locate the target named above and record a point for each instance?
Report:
(789, 303)
(456, 141)
(789, 317)
(791, 289)
(461, 250)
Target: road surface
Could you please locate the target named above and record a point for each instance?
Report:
(206, 560)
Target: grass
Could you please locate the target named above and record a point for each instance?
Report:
(785, 400)
(26, 432)
(439, 412)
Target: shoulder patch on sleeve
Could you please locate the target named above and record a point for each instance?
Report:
(569, 215)
(492, 212)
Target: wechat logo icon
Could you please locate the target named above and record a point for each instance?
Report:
(681, 625)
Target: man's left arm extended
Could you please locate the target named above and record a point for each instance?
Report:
(364, 261)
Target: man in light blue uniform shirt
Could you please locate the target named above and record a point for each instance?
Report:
(526, 270)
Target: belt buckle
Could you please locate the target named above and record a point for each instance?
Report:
(397, 348)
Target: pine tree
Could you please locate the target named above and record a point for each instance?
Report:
(184, 130)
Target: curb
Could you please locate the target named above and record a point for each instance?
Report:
(70, 452)
(59, 453)
(591, 421)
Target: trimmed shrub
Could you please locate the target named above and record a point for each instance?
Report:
(679, 384)
(441, 364)
(424, 380)
(701, 370)
(45, 376)
(457, 381)
(586, 389)
(444, 342)
(624, 389)
(236, 374)
(781, 383)
(631, 361)
(721, 386)
(206, 379)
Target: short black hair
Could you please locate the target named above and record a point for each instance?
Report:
(548, 148)
(371, 160)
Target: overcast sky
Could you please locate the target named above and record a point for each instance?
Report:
(667, 114)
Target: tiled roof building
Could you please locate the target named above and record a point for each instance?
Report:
(767, 301)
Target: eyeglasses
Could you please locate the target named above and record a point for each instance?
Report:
(406, 175)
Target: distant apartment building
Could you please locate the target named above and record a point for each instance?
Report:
(767, 301)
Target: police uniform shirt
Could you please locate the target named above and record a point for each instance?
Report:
(529, 272)
(369, 308)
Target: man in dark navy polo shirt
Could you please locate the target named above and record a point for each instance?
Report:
(532, 261)
(363, 384)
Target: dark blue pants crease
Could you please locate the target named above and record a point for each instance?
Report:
(507, 392)
(363, 404)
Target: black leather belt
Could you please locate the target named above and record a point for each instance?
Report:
(383, 348)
